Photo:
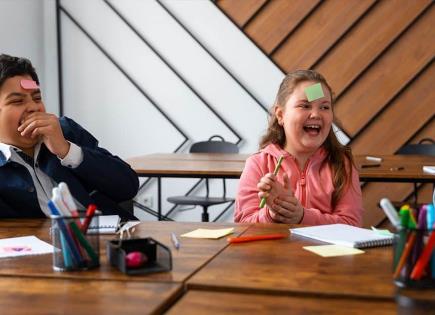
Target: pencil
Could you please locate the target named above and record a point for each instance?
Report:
(250, 238)
(275, 172)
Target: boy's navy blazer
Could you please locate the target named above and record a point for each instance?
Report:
(100, 173)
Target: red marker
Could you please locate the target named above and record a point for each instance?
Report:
(89, 214)
(251, 238)
(422, 261)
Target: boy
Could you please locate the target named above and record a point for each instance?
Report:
(39, 150)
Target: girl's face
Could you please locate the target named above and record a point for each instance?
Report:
(306, 124)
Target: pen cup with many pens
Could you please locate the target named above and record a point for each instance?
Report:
(74, 247)
(414, 258)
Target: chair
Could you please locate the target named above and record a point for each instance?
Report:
(425, 146)
(210, 146)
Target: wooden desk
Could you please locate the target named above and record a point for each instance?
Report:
(208, 302)
(192, 255)
(67, 296)
(282, 267)
(231, 166)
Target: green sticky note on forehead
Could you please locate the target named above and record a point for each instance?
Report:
(314, 92)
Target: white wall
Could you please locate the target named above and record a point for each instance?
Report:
(132, 100)
(28, 29)
(102, 54)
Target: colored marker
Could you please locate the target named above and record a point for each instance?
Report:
(409, 244)
(89, 215)
(64, 231)
(404, 219)
(430, 221)
(417, 272)
(390, 212)
(250, 238)
(68, 199)
(275, 172)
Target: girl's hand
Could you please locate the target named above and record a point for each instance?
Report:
(283, 206)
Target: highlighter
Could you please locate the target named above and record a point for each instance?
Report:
(275, 172)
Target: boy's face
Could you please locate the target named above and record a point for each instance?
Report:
(16, 103)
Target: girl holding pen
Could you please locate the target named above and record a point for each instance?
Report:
(316, 181)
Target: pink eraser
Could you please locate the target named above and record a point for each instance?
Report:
(135, 259)
(29, 84)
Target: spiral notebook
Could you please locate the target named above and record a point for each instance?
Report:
(346, 235)
(107, 224)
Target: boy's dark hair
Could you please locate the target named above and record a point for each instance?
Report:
(12, 66)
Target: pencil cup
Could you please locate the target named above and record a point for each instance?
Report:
(414, 258)
(74, 248)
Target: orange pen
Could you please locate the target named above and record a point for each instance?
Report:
(405, 254)
(250, 238)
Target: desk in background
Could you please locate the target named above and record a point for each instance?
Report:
(218, 165)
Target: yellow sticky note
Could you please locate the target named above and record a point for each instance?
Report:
(208, 233)
(333, 250)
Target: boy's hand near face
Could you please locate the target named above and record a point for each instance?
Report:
(46, 126)
(283, 206)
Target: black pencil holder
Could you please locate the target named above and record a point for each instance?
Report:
(412, 266)
(158, 256)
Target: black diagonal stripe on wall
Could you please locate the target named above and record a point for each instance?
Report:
(213, 57)
(152, 101)
(166, 62)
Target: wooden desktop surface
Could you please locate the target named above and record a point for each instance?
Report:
(192, 255)
(283, 267)
(213, 302)
(41, 296)
(231, 166)
(264, 276)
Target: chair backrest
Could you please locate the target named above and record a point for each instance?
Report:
(214, 146)
(421, 148)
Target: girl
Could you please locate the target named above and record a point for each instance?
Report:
(317, 182)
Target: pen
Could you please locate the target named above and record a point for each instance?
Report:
(374, 159)
(404, 221)
(175, 241)
(398, 168)
(275, 172)
(370, 165)
(250, 238)
(408, 247)
(430, 220)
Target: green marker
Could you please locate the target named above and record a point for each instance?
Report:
(314, 92)
(405, 221)
(275, 172)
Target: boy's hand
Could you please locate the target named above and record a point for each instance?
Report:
(46, 126)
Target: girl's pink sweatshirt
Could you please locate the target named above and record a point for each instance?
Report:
(312, 186)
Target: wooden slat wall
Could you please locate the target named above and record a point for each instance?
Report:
(377, 56)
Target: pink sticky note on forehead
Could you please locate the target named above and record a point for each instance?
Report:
(29, 84)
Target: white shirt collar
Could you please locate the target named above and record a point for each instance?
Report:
(6, 149)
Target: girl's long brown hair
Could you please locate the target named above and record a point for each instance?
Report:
(338, 155)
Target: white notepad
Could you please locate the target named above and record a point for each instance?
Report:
(107, 224)
(346, 235)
